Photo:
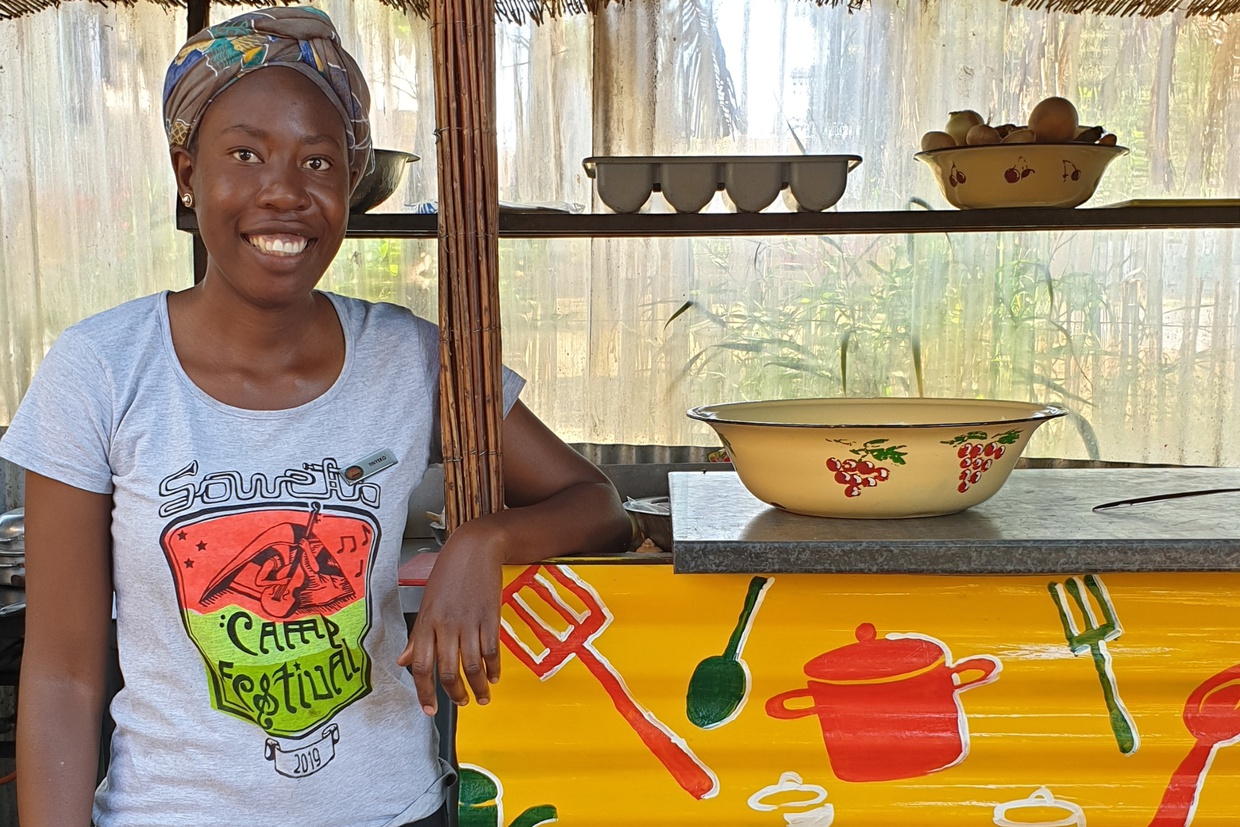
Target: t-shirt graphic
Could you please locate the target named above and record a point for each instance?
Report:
(273, 594)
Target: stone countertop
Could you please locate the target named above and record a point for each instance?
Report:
(1039, 522)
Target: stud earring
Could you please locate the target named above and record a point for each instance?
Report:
(187, 198)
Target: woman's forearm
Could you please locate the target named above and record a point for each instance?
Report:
(583, 518)
(57, 746)
(66, 651)
(558, 503)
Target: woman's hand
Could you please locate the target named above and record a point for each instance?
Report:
(557, 504)
(457, 628)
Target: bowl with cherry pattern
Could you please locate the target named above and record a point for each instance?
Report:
(1019, 175)
(879, 458)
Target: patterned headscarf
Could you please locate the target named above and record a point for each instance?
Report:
(302, 38)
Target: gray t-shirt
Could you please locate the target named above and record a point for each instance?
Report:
(258, 618)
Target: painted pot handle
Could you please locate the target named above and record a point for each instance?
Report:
(777, 707)
(984, 669)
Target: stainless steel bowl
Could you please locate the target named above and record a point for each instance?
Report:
(378, 185)
(12, 525)
(654, 518)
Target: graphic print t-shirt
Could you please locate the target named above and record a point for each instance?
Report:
(258, 617)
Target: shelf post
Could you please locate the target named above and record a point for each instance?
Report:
(197, 18)
(471, 397)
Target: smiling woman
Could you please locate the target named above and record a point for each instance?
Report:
(268, 675)
(270, 184)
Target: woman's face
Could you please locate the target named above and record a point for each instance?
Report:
(270, 180)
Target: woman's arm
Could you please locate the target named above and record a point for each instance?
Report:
(558, 504)
(68, 614)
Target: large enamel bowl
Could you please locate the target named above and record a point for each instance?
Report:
(1019, 175)
(875, 458)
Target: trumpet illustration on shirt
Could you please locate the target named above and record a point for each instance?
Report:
(287, 569)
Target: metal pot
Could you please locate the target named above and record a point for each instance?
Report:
(13, 548)
(13, 574)
(888, 708)
(12, 525)
(654, 518)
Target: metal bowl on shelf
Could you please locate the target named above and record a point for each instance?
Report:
(378, 185)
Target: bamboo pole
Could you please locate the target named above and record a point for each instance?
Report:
(471, 397)
(197, 18)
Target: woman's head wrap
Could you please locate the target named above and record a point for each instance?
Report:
(302, 39)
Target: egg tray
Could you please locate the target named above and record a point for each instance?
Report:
(811, 183)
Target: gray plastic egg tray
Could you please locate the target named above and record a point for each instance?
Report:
(811, 183)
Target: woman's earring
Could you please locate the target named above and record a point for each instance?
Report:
(187, 198)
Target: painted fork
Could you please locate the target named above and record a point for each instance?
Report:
(537, 598)
(1092, 637)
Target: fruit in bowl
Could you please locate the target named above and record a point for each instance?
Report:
(1052, 161)
(1019, 175)
(881, 458)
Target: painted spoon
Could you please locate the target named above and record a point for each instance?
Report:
(720, 683)
(1212, 715)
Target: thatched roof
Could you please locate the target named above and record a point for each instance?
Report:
(518, 11)
(1127, 8)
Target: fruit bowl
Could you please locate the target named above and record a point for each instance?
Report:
(881, 458)
(1019, 175)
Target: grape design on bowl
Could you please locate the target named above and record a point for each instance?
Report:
(864, 472)
(977, 452)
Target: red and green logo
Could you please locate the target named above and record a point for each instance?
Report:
(274, 599)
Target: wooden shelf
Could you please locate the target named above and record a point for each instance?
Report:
(645, 225)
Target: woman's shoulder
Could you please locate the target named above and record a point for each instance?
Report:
(383, 320)
(120, 328)
(120, 322)
(388, 338)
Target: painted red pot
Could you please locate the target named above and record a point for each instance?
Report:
(889, 708)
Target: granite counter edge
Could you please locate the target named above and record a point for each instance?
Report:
(1031, 557)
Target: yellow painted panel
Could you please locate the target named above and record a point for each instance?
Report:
(867, 700)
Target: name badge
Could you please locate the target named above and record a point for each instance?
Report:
(368, 466)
